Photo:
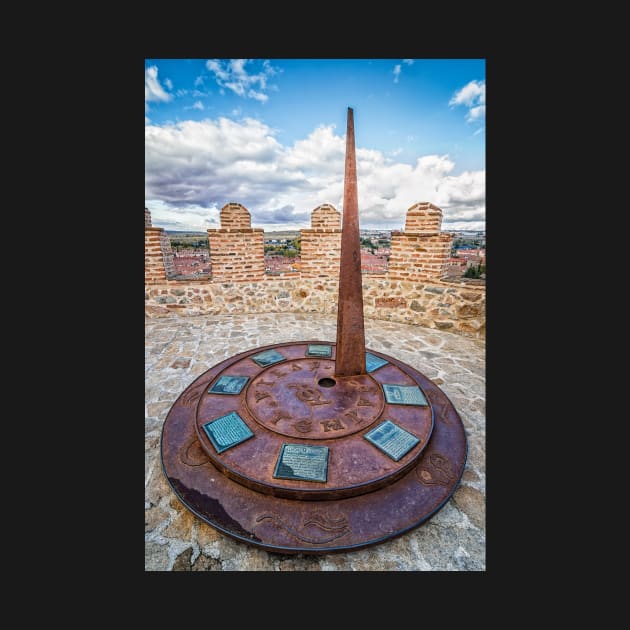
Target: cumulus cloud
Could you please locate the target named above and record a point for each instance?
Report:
(232, 74)
(153, 90)
(193, 168)
(409, 62)
(473, 96)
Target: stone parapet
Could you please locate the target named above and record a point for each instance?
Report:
(453, 307)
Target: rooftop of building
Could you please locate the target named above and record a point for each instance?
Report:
(179, 348)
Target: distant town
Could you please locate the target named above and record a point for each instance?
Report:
(191, 254)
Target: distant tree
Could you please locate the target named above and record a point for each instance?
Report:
(475, 271)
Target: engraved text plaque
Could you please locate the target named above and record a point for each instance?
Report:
(404, 395)
(299, 461)
(392, 439)
(228, 385)
(227, 431)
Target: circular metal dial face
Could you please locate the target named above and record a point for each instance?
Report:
(272, 448)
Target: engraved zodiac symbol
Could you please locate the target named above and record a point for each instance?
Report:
(354, 415)
(437, 471)
(280, 415)
(269, 384)
(303, 426)
(364, 402)
(314, 365)
(192, 454)
(332, 425)
(296, 367)
(441, 410)
(260, 395)
(336, 527)
(309, 395)
(278, 372)
(190, 396)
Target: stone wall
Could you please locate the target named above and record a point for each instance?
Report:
(455, 307)
(321, 244)
(158, 257)
(411, 292)
(236, 249)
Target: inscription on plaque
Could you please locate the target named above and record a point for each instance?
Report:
(318, 350)
(268, 357)
(227, 431)
(404, 395)
(394, 441)
(372, 362)
(297, 461)
(228, 385)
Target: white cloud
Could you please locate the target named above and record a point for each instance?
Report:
(473, 96)
(153, 90)
(409, 62)
(168, 83)
(231, 74)
(199, 81)
(193, 168)
(397, 68)
(195, 105)
(476, 113)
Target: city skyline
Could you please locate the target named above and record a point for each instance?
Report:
(270, 134)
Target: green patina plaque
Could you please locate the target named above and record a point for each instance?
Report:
(393, 440)
(228, 385)
(268, 357)
(319, 350)
(227, 431)
(404, 395)
(298, 461)
(372, 362)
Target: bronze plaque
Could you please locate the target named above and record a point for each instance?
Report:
(299, 461)
(404, 395)
(268, 357)
(372, 362)
(393, 440)
(227, 431)
(319, 350)
(228, 385)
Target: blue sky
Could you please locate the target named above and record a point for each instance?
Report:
(270, 134)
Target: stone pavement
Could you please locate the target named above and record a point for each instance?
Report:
(180, 348)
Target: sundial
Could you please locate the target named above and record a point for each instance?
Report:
(316, 446)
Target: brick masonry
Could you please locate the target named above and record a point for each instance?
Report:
(412, 292)
(421, 251)
(167, 255)
(236, 249)
(321, 244)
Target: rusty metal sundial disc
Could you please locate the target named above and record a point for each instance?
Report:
(313, 446)
(277, 456)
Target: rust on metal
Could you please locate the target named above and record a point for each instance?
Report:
(364, 501)
(350, 328)
(299, 402)
(312, 446)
